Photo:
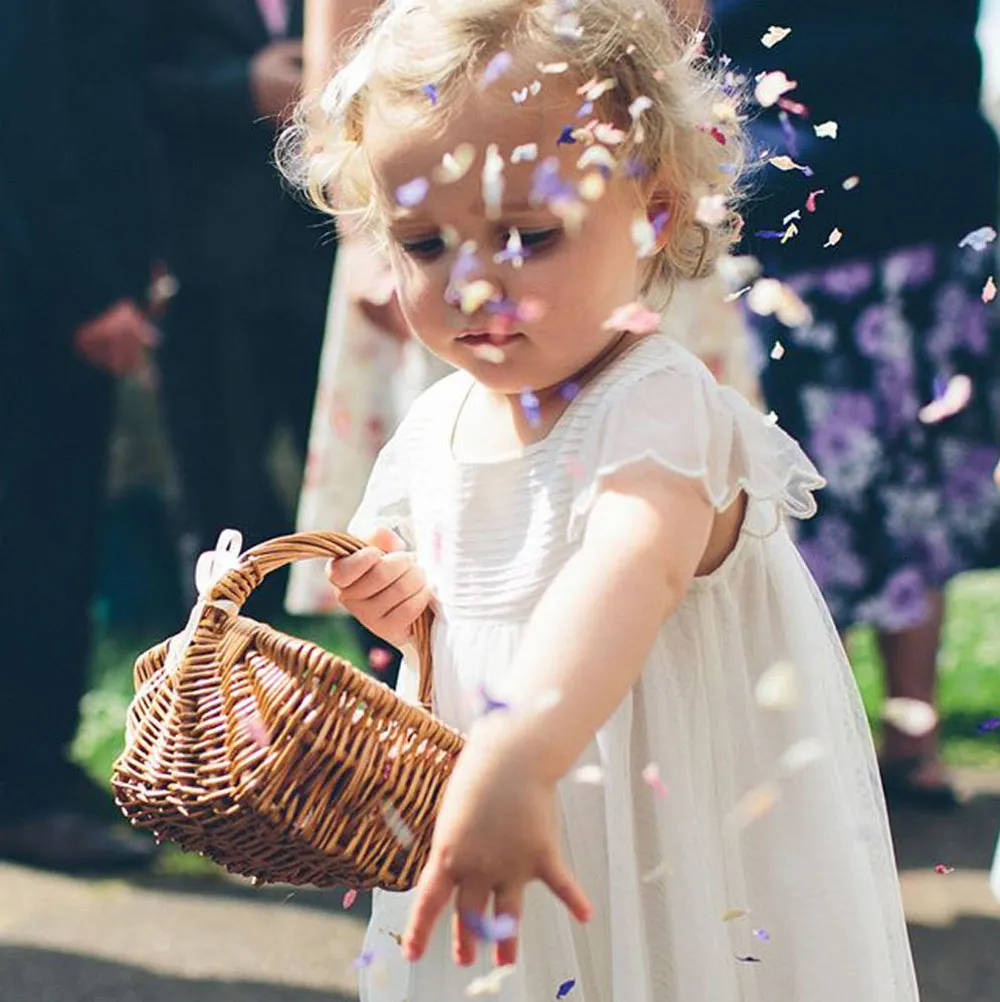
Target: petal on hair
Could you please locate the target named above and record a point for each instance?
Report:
(711, 210)
(639, 105)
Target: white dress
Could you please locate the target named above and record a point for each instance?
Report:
(774, 809)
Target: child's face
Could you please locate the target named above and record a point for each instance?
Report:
(581, 279)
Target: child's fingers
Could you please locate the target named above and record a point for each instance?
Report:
(345, 571)
(563, 884)
(470, 909)
(509, 902)
(399, 620)
(434, 891)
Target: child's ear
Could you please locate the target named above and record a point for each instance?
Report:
(659, 211)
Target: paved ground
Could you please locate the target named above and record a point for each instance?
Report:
(171, 940)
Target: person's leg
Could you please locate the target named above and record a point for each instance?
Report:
(56, 420)
(910, 663)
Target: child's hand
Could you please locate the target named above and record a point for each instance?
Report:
(497, 830)
(386, 591)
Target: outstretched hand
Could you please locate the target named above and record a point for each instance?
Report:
(497, 830)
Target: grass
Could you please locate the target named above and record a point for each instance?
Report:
(969, 685)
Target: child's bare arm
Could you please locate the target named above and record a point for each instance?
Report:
(382, 586)
(590, 635)
(587, 641)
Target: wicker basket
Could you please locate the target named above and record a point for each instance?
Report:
(273, 757)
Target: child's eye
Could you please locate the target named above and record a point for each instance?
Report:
(426, 249)
(537, 239)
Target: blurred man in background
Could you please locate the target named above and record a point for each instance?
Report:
(74, 267)
(243, 334)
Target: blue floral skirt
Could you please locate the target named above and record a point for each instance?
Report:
(909, 503)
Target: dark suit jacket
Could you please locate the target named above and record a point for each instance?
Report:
(74, 189)
(228, 218)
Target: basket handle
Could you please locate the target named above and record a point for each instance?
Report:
(237, 584)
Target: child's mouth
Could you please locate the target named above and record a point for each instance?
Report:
(495, 339)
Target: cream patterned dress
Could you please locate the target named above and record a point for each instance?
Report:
(759, 867)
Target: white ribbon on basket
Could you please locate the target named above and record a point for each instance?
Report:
(212, 565)
(210, 568)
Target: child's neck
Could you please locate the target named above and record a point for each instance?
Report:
(567, 388)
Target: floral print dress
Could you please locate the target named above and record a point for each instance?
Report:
(909, 503)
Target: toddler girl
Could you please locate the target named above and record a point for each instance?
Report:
(662, 725)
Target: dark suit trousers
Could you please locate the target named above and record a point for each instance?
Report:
(55, 424)
(234, 372)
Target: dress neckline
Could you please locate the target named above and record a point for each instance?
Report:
(554, 432)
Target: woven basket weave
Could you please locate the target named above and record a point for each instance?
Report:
(277, 759)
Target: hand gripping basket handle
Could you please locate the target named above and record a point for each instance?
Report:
(239, 583)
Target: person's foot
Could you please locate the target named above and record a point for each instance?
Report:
(70, 842)
(920, 781)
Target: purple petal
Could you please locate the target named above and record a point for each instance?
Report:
(497, 67)
(413, 192)
(431, 91)
(565, 988)
(566, 137)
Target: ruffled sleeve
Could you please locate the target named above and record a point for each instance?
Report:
(386, 500)
(679, 418)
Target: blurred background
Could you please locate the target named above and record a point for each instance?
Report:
(211, 426)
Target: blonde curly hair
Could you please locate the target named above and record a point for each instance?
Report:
(681, 117)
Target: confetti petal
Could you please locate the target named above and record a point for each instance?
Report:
(476, 294)
(565, 988)
(755, 804)
(989, 290)
(711, 210)
(454, 166)
(770, 297)
(493, 182)
(349, 898)
(771, 86)
(911, 716)
(413, 192)
(394, 821)
(597, 156)
(591, 775)
(730, 914)
(991, 724)
(777, 351)
(489, 984)
(773, 35)
(797, 756)
(644, 237)
(850, 183)
(651, 777)
(979, 239)
(826, 130)
(488, 929)
(496, 68)
(811, 200)
(777, 687)
(633, 317)
(787, 163)
(941, 868)
(955, 398)
(834, 238)
(526, 153)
